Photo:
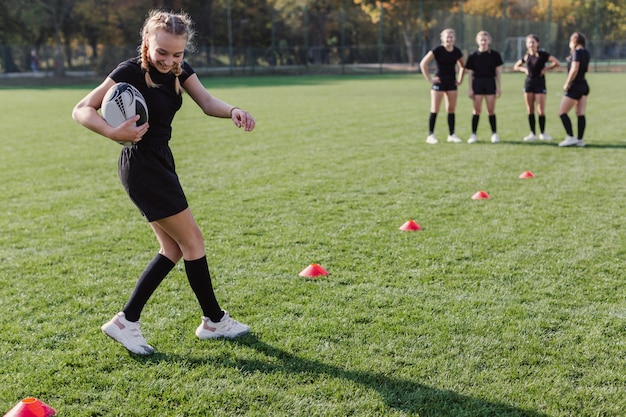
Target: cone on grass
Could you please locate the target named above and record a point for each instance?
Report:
(313, 271)
(31, 407)
(526, 174)
(410, 226)
(481, 195)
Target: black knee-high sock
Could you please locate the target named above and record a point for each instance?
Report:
(148, 282)
(200, 281)
(431, 123)
(492, 123)
(582, 123)
(451, 121)
(475, 118)
(567, 124)
(532, 123)
(542, 123)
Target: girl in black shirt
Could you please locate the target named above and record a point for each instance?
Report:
(444, 83)
(485, 68)
(533, 64)
(576, 90)
(147, 172)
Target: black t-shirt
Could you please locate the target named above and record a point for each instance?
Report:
(163, 102)
(536, 63)
(484, 64)
(583, 57)
(446, 61)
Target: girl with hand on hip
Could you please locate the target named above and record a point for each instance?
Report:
(445, 82)
(533, 64)
(576, 90)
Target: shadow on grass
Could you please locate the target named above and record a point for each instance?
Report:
(400, 394)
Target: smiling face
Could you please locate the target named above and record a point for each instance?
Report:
(165, 50)
(532, 44)
(483, 40)
(448, 37)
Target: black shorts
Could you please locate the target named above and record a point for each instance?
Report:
(446, 84)
(577, 90)
(148, 175)
(485, 86)
(535, 85)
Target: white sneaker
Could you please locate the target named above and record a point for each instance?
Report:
(431, 139)
(545, 136)
(454, 138)
(472, 139)
(571, 141)
(495, 138)
(227, 327)
(530, 137)
(128, 334)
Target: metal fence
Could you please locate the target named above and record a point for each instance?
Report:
(292, 53)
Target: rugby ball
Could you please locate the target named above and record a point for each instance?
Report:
(121, 102)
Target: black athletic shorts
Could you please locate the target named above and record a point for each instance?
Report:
(485, 86)
(446, 84)
(148, 175)
(577, 90)
(535, 85)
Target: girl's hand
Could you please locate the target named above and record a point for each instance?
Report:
(242, 118)
(128, 132)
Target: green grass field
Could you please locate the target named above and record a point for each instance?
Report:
(513, 306)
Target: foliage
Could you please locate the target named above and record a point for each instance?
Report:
(279, 24)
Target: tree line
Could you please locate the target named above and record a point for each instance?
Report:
(29, 25)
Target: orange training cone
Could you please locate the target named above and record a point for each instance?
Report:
(31, 407)
(312, 271)
(480, 195)
(526, 174)
(410, 226)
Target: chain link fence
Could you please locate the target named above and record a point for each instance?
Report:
(383, 47)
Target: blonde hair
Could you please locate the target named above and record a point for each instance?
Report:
(179, 24)
(445, 32)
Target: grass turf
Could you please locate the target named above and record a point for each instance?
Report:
(513, 306)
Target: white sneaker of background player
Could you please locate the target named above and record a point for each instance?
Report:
(495, 138)
(530, 137)
(472, 139)
(431, 139)
(454, 138)
(545, 136)
(571, 141)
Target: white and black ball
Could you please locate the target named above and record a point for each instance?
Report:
(122, 102)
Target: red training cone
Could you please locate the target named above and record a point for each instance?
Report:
(31, 407)
(480, 195)
(312, 271)
(526, 174)
(410, 226)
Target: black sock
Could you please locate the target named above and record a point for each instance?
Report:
(532, 123)
(148, 282)
(582, 123)
(567, 124)
(451, 123)
(542, 123)
(200, 281)
(492, 123)
(431, 122)
(475, 118)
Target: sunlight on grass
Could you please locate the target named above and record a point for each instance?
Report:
(512, 306)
